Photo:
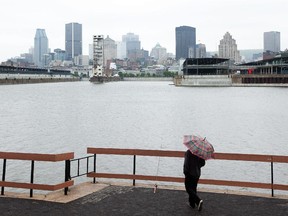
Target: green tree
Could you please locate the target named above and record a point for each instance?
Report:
(121, 74)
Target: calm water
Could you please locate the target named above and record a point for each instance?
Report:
(65, 117)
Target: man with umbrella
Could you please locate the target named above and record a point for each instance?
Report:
(199, 150)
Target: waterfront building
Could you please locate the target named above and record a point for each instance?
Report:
(73, 40)
(273, 66)
(110, 49)
(40, 47)
(159, 53)
(228, 49)
(206, 66)
(185, 40)
(272, 41)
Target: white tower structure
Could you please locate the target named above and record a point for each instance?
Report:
(98, 55)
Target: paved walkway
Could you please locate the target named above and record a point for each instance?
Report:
(127, 200)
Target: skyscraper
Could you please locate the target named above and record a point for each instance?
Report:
(132, 45)
(272, 41)
(228, 48)
(73, 40)
(185, 40)
(40, 47)
(110, 49)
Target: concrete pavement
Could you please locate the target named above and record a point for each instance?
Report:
(101, 199)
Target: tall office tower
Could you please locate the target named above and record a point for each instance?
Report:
(185, 40)
(73, 40)
(272, 41)
(40, 47)
(110, 49)
(228, 48)
(132, 44)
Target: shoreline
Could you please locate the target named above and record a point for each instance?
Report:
(29, 80)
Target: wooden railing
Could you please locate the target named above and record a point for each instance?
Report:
(36, 157)
(161, 153)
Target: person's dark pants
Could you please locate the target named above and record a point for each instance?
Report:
(191, 188)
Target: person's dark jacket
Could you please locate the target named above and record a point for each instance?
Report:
(193, 164)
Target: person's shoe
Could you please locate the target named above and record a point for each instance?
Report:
(200, 205)
(191, 206)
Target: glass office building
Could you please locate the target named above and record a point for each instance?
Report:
(40, 47)
(185, 40)
(272, 41)
(73, 40)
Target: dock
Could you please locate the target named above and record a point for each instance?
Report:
(129, 196)
(112, 199)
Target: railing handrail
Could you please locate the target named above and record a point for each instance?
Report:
(168, 153)
(37, 157)
(171, 153)
(143, 152)
(252, 157)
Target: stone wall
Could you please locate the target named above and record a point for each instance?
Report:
(148, 79)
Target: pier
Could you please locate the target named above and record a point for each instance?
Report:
(24, 75)
(109, 199)
(218, 72)
(131, 198)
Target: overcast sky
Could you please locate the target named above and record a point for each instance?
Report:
(153, 20)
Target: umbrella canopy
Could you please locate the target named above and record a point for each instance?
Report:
(199, 146)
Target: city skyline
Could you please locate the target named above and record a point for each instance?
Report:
(154, 22)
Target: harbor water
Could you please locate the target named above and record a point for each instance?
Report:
(69, 117)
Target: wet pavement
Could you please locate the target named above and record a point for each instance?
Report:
(127, 200)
